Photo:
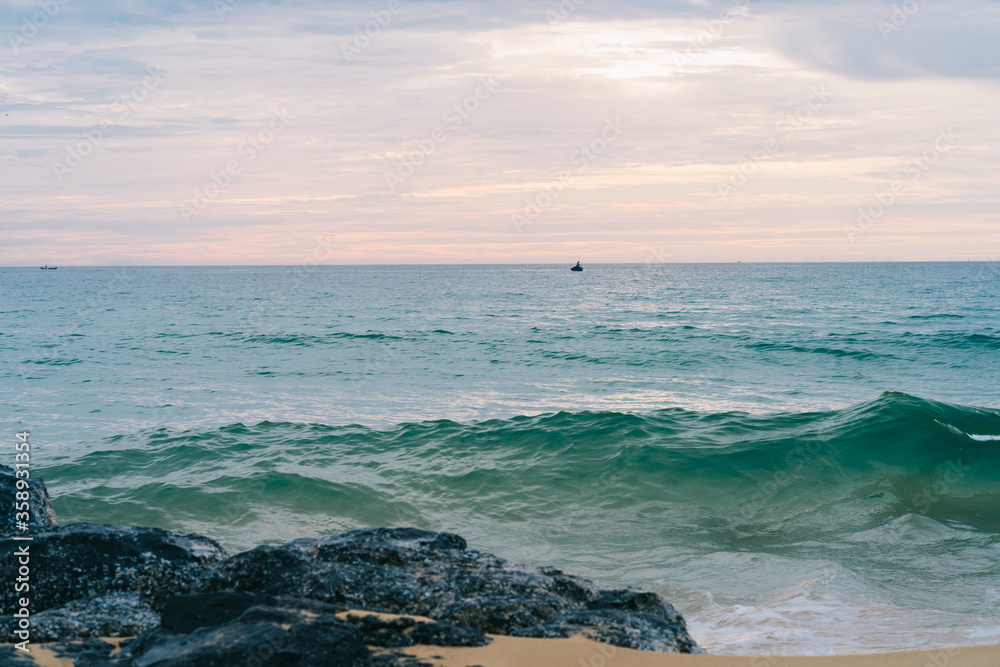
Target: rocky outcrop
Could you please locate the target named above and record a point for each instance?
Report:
(417, 572)
(403, 631)
(111, 615)
(186, 613)
(280, 634)
(267, 630)
(39, 508)
(80, 560)
(192, 605)
(639, 630)
(85, 651)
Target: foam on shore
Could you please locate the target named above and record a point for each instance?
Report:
(583, 652)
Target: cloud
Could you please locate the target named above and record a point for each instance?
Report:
(887, 42)
(700, 87)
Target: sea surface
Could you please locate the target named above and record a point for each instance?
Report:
(803, 458)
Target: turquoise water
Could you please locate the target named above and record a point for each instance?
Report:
(804, 458)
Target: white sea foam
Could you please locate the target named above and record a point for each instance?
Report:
(974, 436)
(816, 622)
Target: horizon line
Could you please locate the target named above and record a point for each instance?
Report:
(317, 265)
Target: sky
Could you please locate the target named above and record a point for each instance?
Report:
(169, 132)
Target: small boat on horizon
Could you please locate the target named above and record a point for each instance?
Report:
(577, 267)
(50, 268)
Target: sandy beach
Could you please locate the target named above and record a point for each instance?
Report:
(582, 652)
(579, 651)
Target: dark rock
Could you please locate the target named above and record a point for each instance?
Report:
(12, 657)
(630, 600)
(629, 629)
(263, 636)
(92, 652)
(183, 614)
(403, 571)
(81, 560)
(111, 615)
(283, 605)
(393, 633)
(415, 572)
(82, 651)
(397, 659)
(448, 633)
(500, 614)
(40, 512)
(186, 613)
(400, 632)
(284, 632)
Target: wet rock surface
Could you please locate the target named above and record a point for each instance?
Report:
(111, 615)
(81, 560)
(415, 572)
(261, 635)
(269, 630)
(78, 651)
(639, 630)
(186, 613)
(39, 508)
(401, 632)
(191, 604)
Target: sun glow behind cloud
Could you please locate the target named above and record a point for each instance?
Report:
(695, 110)
(620, 50)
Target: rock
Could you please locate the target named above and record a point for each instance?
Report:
(448, 633)
(262, 636)
(186, 613)
(81, 560)
(12, 657)
(630, 600)
(415, 572)
(111, 615)
(86, 651)
(183, 614)
(400, 632)
(283, 605)
(40, 512)
(629, 629)
(90, 651)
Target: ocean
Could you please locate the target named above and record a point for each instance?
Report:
(803, 458)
